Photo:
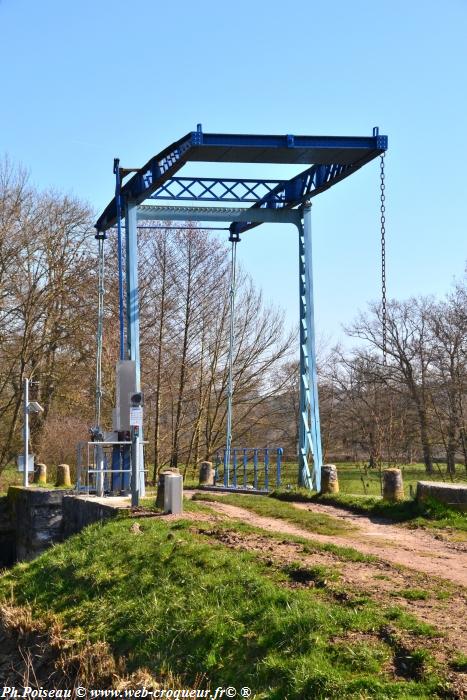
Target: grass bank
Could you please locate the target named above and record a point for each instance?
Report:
(164, 597)
(429, 513)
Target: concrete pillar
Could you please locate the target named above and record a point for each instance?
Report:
(329, 480)
(393, 487)
(173, 494)
(40, 474)
(206, 474)
(161, 486)
(63, 475)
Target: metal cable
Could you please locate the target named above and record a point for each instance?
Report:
(100, 325)
(233, 269)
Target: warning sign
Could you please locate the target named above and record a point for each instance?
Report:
(136, 416)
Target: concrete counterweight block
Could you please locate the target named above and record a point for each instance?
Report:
(453, 495)
(40, 474)
(206, 474)
(329, 480)
(161, 485)
(63, 475)
(393, 487)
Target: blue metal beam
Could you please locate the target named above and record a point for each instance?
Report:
(310, 457)
(150, 212)
(216, 189)
(338, 155)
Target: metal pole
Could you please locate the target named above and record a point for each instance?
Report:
(135, 470)
(266, 468)
(132, 291)
(100, 467)
(255, 468)
(234, 464)
(228, 441)
(26, 432)
(278, 470)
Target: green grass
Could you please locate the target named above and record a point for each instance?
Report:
(272, 508)
(359, 480)
(178, 604)
(459, 663)
(430, 513)
(413, 594)
(10, 476)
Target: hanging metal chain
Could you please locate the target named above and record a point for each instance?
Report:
(383, 256)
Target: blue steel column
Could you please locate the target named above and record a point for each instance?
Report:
(132, 310)
(309, 423)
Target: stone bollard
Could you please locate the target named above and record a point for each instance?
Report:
(393, 487)
(40, 474)
(206, 474)
(63, 475)
(329, 480)
(161, 485)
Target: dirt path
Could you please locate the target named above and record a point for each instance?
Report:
(417, 550)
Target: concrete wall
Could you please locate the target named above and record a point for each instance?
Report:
(33, 519)
(453, 495)
(79, 511)
(7, 534)
(37, 518)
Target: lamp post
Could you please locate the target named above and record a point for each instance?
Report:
(26, 433)
(28, 407)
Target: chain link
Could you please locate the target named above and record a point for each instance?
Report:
(383, 256)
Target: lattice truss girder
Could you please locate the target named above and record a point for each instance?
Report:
(329, 159)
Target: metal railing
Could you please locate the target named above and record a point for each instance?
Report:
(257, 468)
(104, 467)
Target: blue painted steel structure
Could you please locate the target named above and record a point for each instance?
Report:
(328, 160)
(251, 468)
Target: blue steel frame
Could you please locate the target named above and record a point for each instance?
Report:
(330, 159)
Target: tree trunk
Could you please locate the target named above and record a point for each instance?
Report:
(183, 360)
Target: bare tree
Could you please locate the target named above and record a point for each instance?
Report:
(410, 355)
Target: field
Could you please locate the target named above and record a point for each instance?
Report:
(355, 479)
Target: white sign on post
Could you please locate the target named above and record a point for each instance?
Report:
(20, 463)
(136, 416)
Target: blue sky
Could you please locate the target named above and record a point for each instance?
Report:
(85, 81)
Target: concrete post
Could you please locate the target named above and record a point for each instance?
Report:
(40, 474)
(206, 474)
(393, 487)
(329, 480)
(161, 485)
(173, 494)
(63, 475)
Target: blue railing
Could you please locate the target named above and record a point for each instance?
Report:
(257, 468)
